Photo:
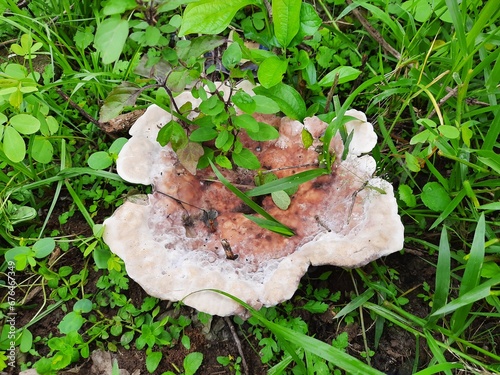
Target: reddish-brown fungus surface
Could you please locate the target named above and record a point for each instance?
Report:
(172, 241)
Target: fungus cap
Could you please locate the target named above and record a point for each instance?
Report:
(174, 250)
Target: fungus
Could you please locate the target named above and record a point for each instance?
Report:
(191, 234)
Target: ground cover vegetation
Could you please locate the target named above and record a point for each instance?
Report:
(425, 72)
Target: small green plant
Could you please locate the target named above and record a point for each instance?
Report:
(190, 364)
(233, 364)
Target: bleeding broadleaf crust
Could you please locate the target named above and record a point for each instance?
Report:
(354, 224)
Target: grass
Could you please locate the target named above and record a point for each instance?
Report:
(428, 81)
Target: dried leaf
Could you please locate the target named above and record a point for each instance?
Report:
(189, 156)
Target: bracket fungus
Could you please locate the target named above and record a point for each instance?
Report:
(191, 235)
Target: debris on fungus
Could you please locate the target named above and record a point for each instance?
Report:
(191, 235)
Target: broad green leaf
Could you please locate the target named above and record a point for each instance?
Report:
(422, 137)
(84, 38)
(490, 269)
(286, 20)
(246, 122)
(435, 197)
(265, 105)
(271, 71)
(100, 160)
(12, 253)
(42, 150)
(25, 124)
(448, 131)
(212, 106)
(110, 38)
(172, 4)
(13, 145)
(266, 132)
(246, 159)
(221, 139)
(52, 124)
(17, 49)
(153, 360)
(178, 138)
(190, 155)
(16, 99)
(165, 133)
(83, 305)
(346, 74)
(192, 363)
(232, 56)
(281, 199)
(101, 257)
(244, 101)
(223, 161)
(26, 341)
(44, 247)
(118, 6)
(178, 80)
(229, 142)
(203, 134)
(286, 182)
(309, 22)
(406, 195)
(22, 213)
(117, 145)
(210, 16)
(198, 46)
(123, 95)
(288, 99)
(3, 120)
(307, 138)
(71, 322)
(412, 162)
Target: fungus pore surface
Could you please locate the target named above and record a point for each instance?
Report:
(171, 241)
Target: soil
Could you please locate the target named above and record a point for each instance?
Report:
(394, 355)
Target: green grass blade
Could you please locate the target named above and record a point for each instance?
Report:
(467, 299)
(488, 15)
(449, 208)
(437, 351)
(69, 173)
(286, 182)
(472, 274)
(331, 129)
(283, 229)
(79, 204)
(437, 369)
(443, 273)
(493, 133)
(458, 22)
(355, 303)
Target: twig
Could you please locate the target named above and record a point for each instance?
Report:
(451, 92)
(269, 10)
(7, 42)
(330, 93)
(78, 108)
(374, 33)
(238, 345)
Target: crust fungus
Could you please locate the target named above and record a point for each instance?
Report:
(191, 235)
